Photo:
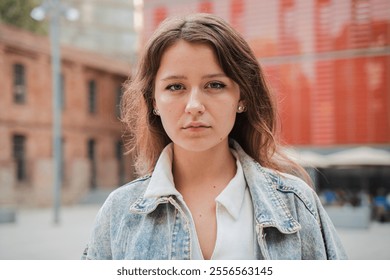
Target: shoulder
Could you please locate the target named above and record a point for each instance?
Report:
(269, 182)
(124, 196)
(293, 190)
(110, 219)
(289, 183)
(258, 173)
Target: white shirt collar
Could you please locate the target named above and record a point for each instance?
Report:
(232, 196)
(162, 183)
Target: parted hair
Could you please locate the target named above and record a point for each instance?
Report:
(255, 129)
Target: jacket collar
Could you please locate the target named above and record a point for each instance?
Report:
(162, 183)
(269, 208)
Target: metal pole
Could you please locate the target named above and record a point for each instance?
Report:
(57, 110)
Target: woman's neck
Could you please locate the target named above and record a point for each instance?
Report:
(212, 169)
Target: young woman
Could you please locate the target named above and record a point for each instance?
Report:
(215, 184)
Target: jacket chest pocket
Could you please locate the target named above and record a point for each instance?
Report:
(275, 245)
(159, 235)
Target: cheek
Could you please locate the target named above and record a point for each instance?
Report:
(165, 103)
(168, 111)
(169, 116)
(227, 116)
(233, 113)
(233, 108)
(169, 106)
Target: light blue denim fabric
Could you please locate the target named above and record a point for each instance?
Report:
(289, 219)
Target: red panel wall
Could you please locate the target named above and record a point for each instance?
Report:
(328, 62)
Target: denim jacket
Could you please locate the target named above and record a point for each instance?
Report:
(290, 221)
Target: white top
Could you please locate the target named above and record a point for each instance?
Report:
(236, 238)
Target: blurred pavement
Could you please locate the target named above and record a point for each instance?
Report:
(34, 236)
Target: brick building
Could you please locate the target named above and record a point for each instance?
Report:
(92, 147)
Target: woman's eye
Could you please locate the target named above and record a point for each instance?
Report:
(216, 85)
(175, 87)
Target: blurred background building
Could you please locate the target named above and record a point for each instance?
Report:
(91, 88)
(327, 61)
(105, 26)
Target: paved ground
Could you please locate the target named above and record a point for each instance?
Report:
(34, 236)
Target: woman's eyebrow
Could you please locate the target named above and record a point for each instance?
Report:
(182, 77)
(216, 75)
(174, 77)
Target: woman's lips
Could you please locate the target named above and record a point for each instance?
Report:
(194, 125)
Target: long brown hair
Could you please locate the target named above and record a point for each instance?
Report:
(254, 129)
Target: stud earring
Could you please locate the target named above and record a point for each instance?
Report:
(241, 109)
(156, 112)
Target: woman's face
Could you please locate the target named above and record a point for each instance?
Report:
(196, 101)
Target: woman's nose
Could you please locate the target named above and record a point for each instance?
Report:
(194, 103)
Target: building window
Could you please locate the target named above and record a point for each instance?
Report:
(121, 162)
(19, 154)
(91, 150)
(119, 94)
(92, 98)
(19, 83)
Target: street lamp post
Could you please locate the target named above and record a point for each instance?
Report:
(54, 9)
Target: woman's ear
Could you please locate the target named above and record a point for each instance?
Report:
(155, 110)
(241, 107)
